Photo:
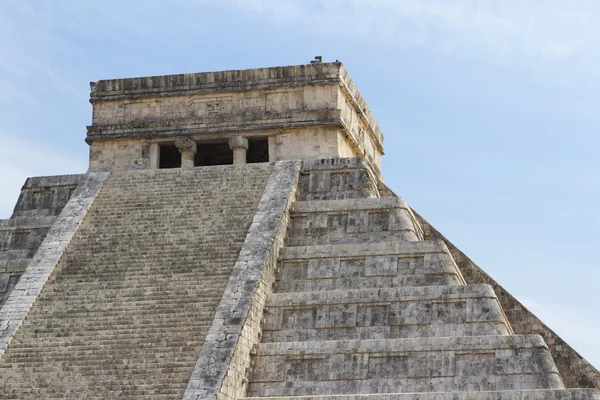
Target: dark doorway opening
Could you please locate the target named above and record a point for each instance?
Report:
(258, 151)
(170, 157)
(213, 154)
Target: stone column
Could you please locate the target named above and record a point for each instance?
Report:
(187, 148)
(239, 145)
(154, 156)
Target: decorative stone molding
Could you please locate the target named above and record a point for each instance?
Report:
(221, 368)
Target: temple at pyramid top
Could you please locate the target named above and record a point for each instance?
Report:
(231, 117)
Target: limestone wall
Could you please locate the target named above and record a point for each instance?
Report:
(309, 143)
(119, 155)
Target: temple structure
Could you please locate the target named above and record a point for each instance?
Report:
(233, 239)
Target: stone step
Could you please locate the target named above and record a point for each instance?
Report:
(120, 295)
(476, 363)
(336, 179)
(322, 222)
(141, 326)
(373, 265)
(549, 394)
(112, 363)
(429, 311)
(132, 277)
(109, 338)
(114, 309)
(111, 386)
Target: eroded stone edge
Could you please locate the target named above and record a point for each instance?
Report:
(31, 283)
(223, 363)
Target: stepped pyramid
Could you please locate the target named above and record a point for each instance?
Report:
(233, 239)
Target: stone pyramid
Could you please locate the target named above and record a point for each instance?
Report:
(233, 239)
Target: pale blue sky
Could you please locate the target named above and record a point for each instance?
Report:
(489, 111)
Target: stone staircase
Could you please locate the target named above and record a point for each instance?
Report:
(127, 311)
(364, 307)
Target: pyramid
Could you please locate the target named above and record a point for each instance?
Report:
(233, 239)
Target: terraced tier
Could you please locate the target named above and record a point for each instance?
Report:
(364, 308)
(428, 311)
(480, 363)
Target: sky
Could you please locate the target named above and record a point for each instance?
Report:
(489, 111)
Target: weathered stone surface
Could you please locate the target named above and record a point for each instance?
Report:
(306, 111)
(135, 292)
(388, 313)
(45, 195)
(220, 370)
(352, 221)
(372, 265)
(337, 179)
(380, 313)
(41, 201)
(25, 293)
(403, 365)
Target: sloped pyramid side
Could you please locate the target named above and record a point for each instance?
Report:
(366, 306)
(575, 370)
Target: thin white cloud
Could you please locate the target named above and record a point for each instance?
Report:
(548, 37)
